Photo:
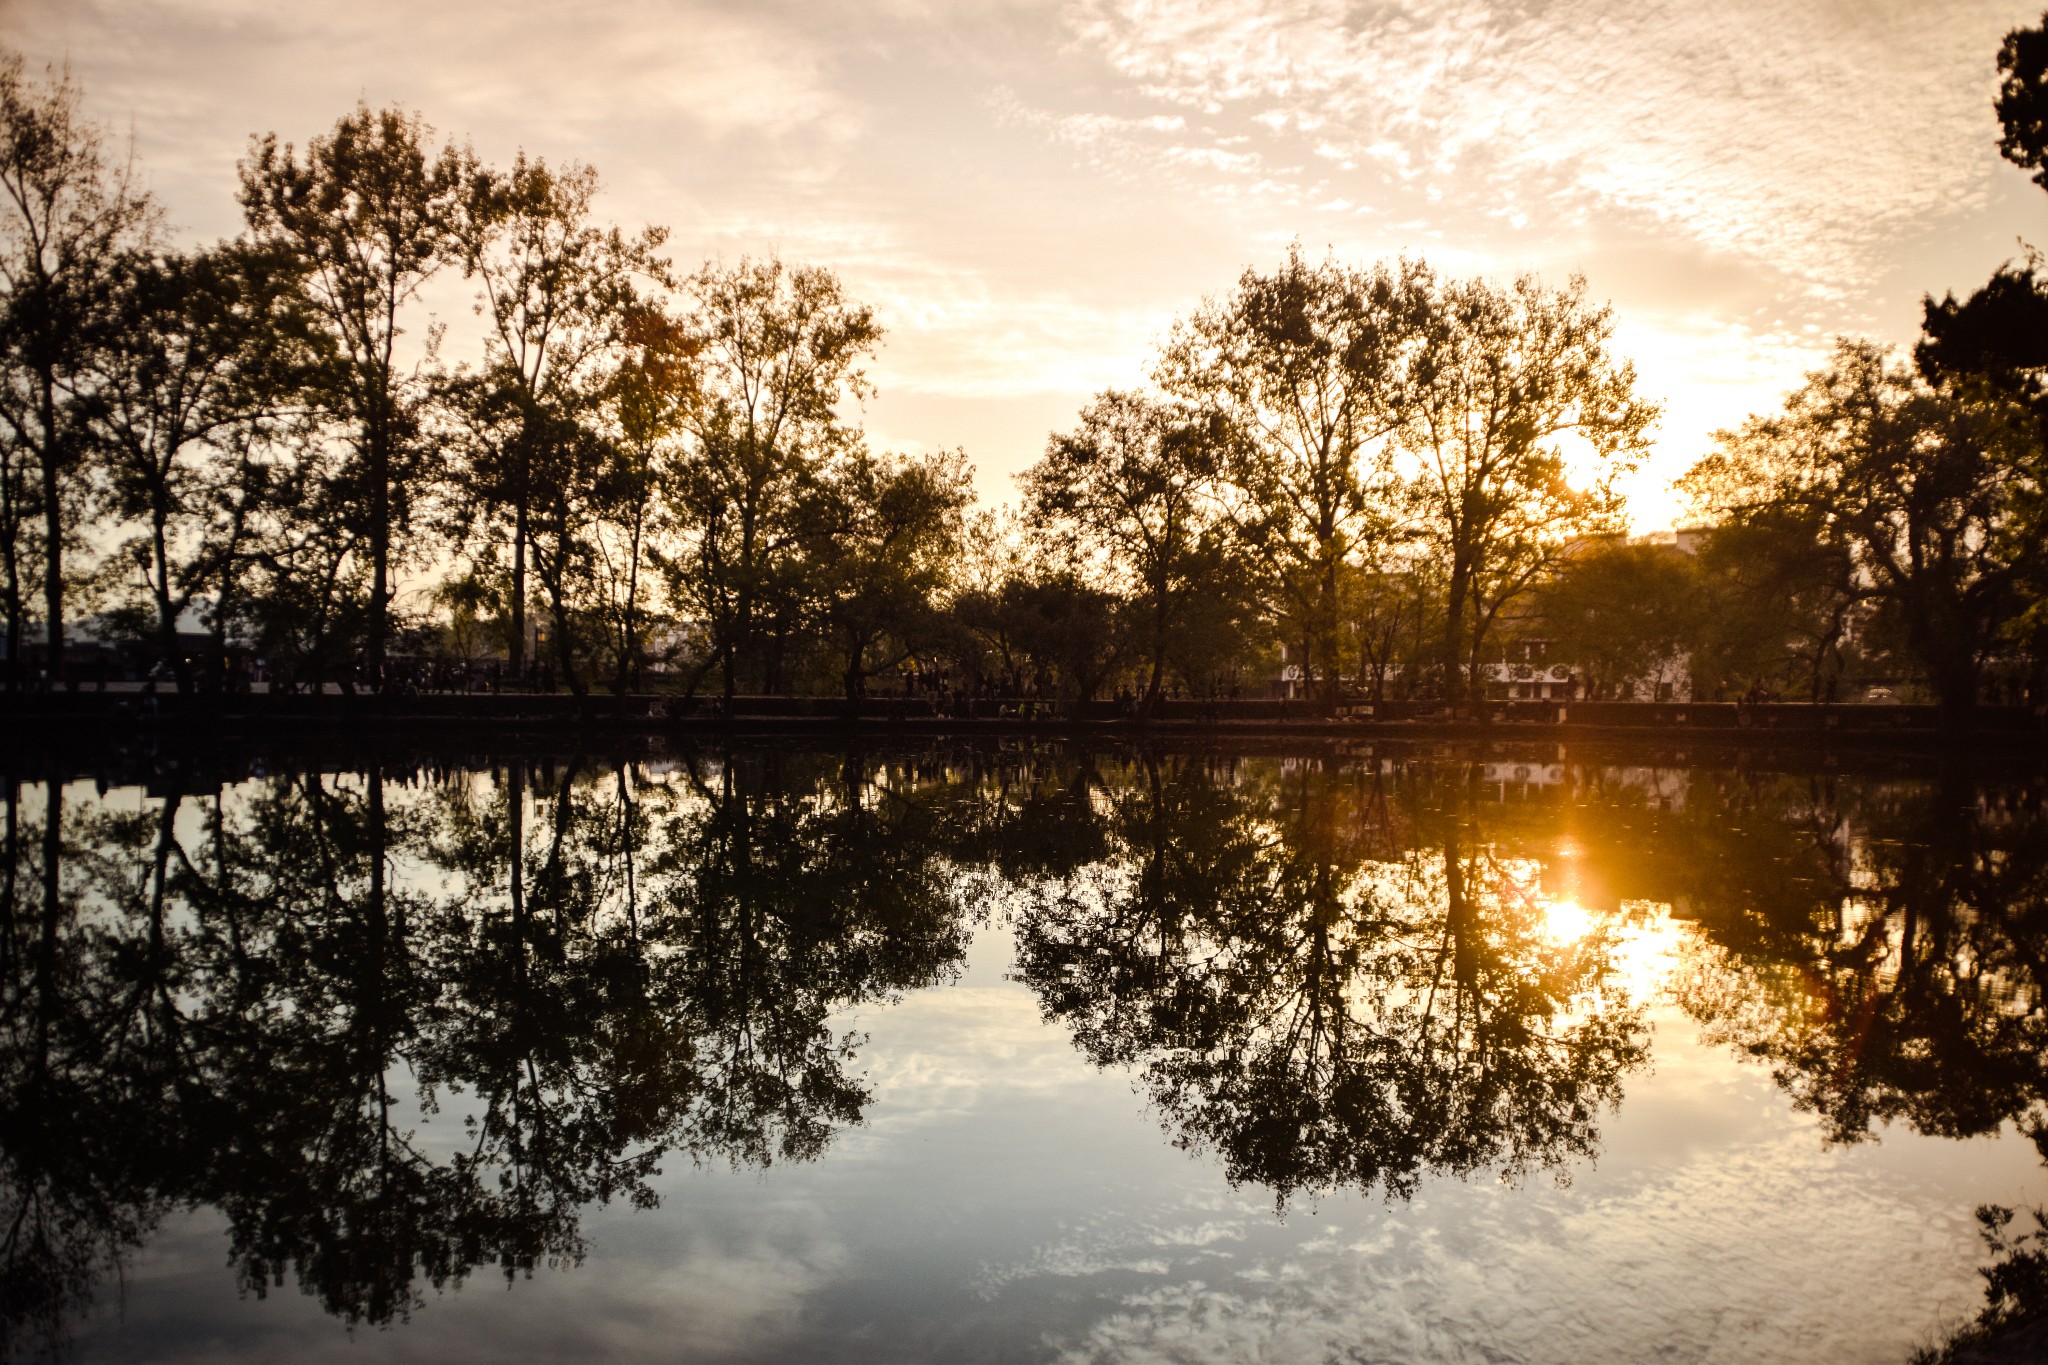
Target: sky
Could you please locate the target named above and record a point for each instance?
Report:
(1029, 192)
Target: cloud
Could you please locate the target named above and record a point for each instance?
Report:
(1029, 190)
(1717, 1260)
(1805, 139)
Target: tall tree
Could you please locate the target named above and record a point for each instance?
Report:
(648, 399)
(884, 545)
(1506, 389)
(1918, 486)
(781, 349)
(556, 290)
(365, 212)
(1301, 368)
(68, 218)
(1131, 487)
(207, 345)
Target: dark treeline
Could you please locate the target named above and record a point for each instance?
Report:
(401, 1024)
(1366, 480)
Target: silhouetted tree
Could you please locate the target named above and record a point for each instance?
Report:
(781, 349)
(1507, 391)
(1301, 369)
(1621, 613)
(648, 399)
(885, 537)
(1130, 489)
(558, 292)
(365, 215)
(208, 347)
(1917, 486)
(1775, 603)
(68, 221)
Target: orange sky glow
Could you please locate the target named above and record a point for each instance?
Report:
(1030, 191)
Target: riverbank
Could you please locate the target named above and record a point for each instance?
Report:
(38, 718)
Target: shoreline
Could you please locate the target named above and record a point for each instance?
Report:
(1674, 732)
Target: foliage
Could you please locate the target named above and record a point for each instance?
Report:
(781, 348)
(1374, 475)
(1508, 389)
(365, 215)
(1299, 371)
(1129, 490)
(881, 551)
(1622, 613)
(1920, 488)
(68, 222)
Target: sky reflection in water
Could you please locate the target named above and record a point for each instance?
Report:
(998, 1055)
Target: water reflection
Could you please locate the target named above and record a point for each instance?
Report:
(401, 1024)
(1880, 946)
(1330, 986)
(396, 1030)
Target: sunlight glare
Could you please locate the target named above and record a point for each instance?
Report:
(1566, 921)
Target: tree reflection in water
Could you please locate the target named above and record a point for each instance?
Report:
(400, 1024)
(240, 1003)
(1330, 988)
(1880, 946)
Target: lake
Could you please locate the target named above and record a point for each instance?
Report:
(1025, 1052)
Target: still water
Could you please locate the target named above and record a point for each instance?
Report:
(1012, 1054)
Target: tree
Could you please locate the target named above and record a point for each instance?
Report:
(1300, 369)
(1620, 612)
(1918, 486)
(1131, 488)
(885, 540)
(206, 346)
(2023, 99)
(648, 398)
(1394, 612)
(1508, 389)
(68, 220)
(557, 292)
(1044, 628)
(781, 349)
(365, 213)
(1776, 603)
(1999, 335)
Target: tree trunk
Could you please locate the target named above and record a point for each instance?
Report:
(629, 649)
(515, 653)
(53, 538)
(166, 612)
(380, 557)
(1455, 596)
(16, 614)
(565, 647)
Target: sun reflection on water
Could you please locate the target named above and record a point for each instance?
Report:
(1566, 921)
(1643, 943)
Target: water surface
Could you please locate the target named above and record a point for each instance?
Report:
(1011, 1054)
